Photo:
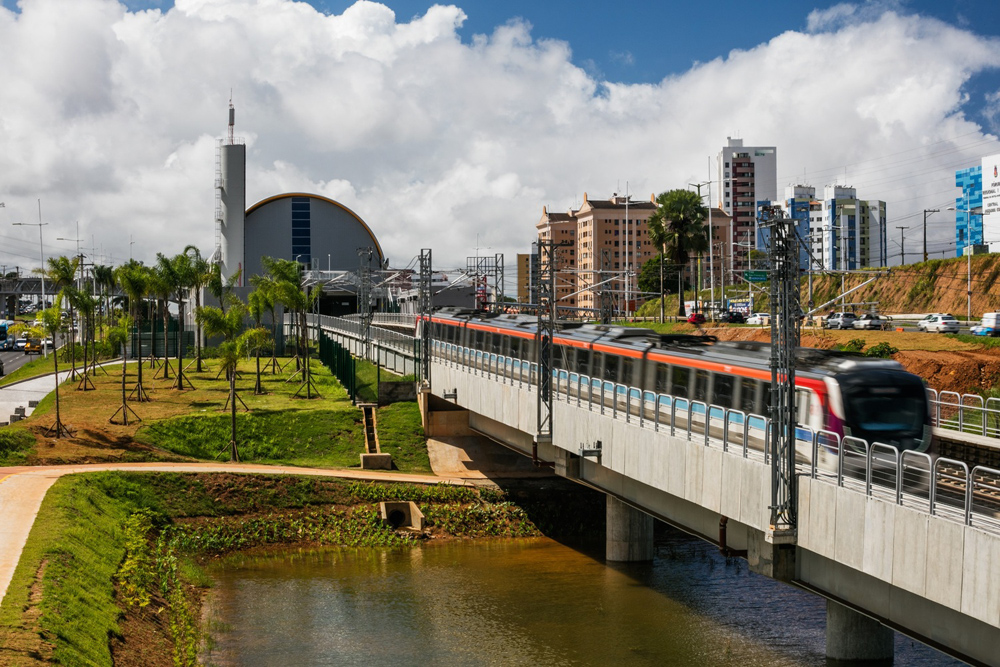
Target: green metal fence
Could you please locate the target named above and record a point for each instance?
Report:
(340, 362)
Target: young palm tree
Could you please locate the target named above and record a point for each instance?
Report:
(86, 305)
(268, 294)
(51, 322)
(678, 227)
(118, 337)
(134, 280)
(234, 346)
(201, 273)
(163, 283)
(258, 302)
(61, 273)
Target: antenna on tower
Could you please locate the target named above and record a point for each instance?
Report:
(232, 117)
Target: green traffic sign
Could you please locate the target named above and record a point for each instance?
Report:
(755, 276)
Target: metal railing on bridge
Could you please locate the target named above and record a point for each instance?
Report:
(937, 485)
(966, 413)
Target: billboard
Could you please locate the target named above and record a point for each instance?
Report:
(991, 199)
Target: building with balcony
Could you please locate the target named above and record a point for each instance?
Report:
(747, 175)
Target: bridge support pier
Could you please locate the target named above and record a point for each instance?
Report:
(854, 637)
(629, 533)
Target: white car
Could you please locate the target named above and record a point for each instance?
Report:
(940, 324)
(759, 318)
(922, 323)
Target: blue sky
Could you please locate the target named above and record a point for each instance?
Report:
(467, 120)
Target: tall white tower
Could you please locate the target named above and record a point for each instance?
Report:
(230, 210)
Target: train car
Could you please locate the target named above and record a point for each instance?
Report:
(849, 395)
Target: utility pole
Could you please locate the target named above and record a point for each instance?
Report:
(785, 334)
(902, 246)
(424, 304)
(548, 256)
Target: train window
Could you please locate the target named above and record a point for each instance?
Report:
(569, 357)
(627, 372)
(480, 339)
(662, 379)
(610, 367)
(722, 390)
(495, 343)
(679, 386)
(583, 362)
(802, 397)
(748, 395)
(701, 385)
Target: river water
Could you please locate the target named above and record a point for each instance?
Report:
(514, 602)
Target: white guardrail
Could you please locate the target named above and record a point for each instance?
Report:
(940, 486)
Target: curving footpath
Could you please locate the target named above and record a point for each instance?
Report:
(23, 488)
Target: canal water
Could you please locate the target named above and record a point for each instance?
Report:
(514, 602)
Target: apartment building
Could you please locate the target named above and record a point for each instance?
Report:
(748, 175)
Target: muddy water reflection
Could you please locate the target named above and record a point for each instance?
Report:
(518, 602)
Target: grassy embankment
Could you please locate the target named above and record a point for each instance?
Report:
(111, 571)
(183, 425)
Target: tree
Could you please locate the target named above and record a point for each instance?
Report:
(649, 277)
(201, 273)
(234, 346)
(285, 274)
(86, 305)
(134, 281)
(266, 289)
(259, 301)
(678, 228)
(61, 273)
(118, 337)
(51, 322)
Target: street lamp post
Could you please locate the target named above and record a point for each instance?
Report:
(41, 252)
(926, 211)
(968, 252)
(902, 245)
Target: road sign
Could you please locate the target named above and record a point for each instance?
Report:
(755, 276)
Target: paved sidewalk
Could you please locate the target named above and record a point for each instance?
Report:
(23, 488)
(20, 393)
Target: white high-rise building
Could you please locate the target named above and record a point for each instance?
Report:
(748, 175)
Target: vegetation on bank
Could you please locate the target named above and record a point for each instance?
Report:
(108, 548)
(176, 425)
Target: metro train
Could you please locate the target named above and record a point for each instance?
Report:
(850, 395)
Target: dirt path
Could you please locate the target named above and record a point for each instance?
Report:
(22, 490)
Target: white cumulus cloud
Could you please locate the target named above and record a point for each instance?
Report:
(111, 118)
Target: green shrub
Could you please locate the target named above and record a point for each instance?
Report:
(882, 351)
(853, 345)
(15, 442)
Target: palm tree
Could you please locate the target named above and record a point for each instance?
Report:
(51, 322)
(134, 280)
(104, 277)
(163, 283)
(258, 302)
(61, 274)
(87, 305)
(201, 273)
(266, 289)
(678, 227)
(234, 346)
(118, 337)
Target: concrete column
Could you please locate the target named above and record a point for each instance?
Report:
(851, 636)
(629, 533)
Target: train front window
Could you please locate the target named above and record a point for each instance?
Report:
(885, 405)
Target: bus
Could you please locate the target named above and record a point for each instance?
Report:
(6, 339)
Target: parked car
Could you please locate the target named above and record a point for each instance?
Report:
(732, 317)
(988, 326)
(696, 318)
(842, 320)
(940, 324)
(870, 321)
(759, 318)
